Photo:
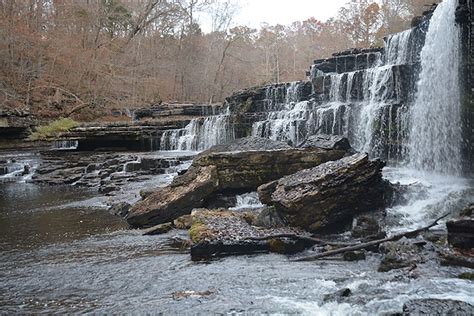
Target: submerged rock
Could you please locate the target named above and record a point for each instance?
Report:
(214, 172)
(338, 296)
(437, 307)
(321, 198)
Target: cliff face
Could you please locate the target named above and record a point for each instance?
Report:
(465, 17)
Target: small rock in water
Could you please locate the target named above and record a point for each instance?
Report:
(120, 209)
(338, 296)
(466, 276)
(354, 256)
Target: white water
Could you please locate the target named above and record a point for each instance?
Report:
(247, 201)
(435, 142)
(199, 134)
(65, 144)
(369, 120)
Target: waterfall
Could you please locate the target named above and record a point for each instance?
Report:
(362, 104)
(199, 134)
(435, 141)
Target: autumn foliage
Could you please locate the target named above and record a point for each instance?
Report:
(82, 58)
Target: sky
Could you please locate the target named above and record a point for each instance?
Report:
(255, 12)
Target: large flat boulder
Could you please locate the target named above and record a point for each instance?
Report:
(215, 171)
(321, 198)
(220, 232)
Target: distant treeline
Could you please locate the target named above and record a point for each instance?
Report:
(82, 57)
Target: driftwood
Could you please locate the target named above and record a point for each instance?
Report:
(306, 238)
(369, 244)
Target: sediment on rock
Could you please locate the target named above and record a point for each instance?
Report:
(218, 233)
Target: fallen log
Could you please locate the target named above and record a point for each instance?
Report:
(369, 244)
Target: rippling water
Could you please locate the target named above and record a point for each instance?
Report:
(62, 253)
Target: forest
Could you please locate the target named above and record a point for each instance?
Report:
(82, 58)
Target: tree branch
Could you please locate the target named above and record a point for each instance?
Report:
(371, 243)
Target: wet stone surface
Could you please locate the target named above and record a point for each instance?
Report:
(105, 171)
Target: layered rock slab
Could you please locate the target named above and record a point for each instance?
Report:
(321, 198)
(220, 232)
(217, 171)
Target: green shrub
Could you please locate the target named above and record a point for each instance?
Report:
(53, 129)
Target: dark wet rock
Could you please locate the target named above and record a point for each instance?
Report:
(103, 171)
(450, 257)
(26, 170)
(120, 209)
(399, 254)
(461, 230)
(326, 142)
(320, 198)
(268, 217)
(217, 233)
(437, 307)
(167, 110)
(252, 100)
(468, 211)
(183, 222)
(221, 200)
(3, 170)
(466, 276)
(435, 236)
(158, 229)
(366, 226)
(354, 256)
(108, 189)
(216, 172)
(249, 144)
(338, 296)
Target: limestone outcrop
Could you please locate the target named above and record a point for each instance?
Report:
(320, 198)
(217, 171)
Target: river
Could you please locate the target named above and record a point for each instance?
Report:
(62, 252)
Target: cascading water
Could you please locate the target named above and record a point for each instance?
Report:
(435, 135)
(364, 105)
(199, 134)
